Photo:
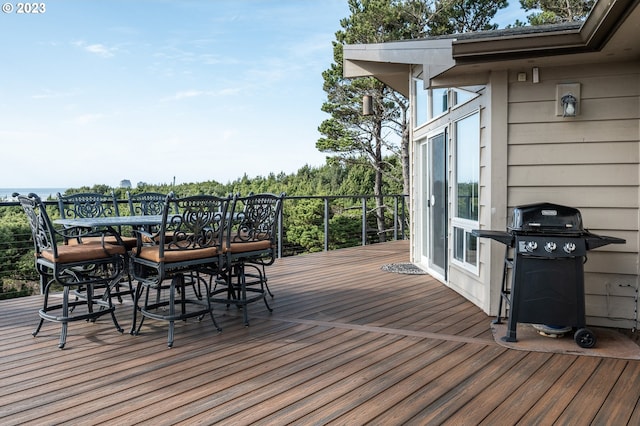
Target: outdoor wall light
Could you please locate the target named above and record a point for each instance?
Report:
(569, 105)
(568, 99)
(367, 105)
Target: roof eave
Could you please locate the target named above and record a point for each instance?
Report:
(589, 36)
(391, 62)
(443, 54)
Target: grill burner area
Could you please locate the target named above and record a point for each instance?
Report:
(546, 248)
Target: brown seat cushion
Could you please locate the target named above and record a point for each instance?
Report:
(153, 253)
(83, 252)
(247, 246)
(128, 242)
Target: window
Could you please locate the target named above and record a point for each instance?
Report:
(439, 102)
(466, 186)
(461, 96)
(429, 103)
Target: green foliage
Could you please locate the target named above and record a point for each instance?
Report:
(302, 222)
(557, 11)
(16, 254)
(461, 16)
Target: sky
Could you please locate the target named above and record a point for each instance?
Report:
(156, 91)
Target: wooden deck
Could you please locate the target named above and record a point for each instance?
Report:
(347, 344)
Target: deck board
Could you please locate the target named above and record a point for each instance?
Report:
(347, 343)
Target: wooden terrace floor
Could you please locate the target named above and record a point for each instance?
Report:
(347, 343)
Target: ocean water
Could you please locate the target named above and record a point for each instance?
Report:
(43, 193)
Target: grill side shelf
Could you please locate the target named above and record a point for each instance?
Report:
(594, 241)
(500, 236)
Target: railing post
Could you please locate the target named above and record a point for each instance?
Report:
(326, 224)
(280, 231)
(364, 221)
(395, 217)
(403, 217)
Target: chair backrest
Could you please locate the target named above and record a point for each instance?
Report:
(254, 219)
(146, 203)
(197, 225)
(42, 229)
(87, 204)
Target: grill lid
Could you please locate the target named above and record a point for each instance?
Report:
(546, 217)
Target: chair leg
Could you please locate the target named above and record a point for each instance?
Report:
(65, 315)
(172, 302)
(146, 303)
(136, 307)
(45, 305)
(38, 327)
(107, 299)
(261, 278)
(207, 289)
(266, 285)
(243, 294)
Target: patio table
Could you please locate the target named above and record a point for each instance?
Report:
(111, 221)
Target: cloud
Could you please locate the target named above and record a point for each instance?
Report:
(97, 49)
(189, 94)
(100, 49)
(88, 118)
(51, 94)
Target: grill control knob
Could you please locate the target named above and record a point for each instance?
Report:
(531, 246)
(569, 247)
(550, 247)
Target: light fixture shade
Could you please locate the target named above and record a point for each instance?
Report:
(367, 105)
(569, 105)
(568, 100)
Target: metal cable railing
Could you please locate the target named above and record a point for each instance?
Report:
(308, 224)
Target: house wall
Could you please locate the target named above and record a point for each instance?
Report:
(590, 162)
(493, 191)
(474, 287)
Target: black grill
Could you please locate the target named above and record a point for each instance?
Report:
(546, 248)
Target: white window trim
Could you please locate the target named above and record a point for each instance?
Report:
(456, 222)
(467, 226)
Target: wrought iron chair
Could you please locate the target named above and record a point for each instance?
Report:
(87, 265)
(147, 203)
(249, 246)
(90, 204)
(151, 203)
(188, 243)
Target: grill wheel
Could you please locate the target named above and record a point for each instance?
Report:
(585, 338)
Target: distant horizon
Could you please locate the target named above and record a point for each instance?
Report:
(42, 192)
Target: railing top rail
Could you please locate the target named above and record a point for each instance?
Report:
(334, 197)
(287, 197)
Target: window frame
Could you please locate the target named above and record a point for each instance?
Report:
(465, 225)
